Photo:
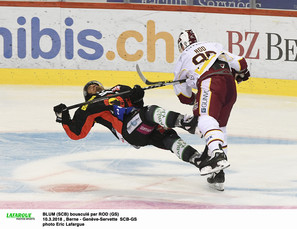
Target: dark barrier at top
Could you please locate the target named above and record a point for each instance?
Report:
(260, 4)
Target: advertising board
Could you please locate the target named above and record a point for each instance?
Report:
(117, 39)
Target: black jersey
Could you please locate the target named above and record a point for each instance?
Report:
(109, 113)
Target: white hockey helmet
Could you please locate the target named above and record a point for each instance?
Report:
(186, 38)
(85, 90)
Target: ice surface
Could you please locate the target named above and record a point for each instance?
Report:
(42, 168)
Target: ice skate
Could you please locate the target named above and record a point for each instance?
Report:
(216, 180)
(207, 165)
(218, 161)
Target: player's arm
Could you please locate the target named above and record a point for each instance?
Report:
(83, 119)
(239, 66)
(183, 90)
(76, 128)
(134, 98)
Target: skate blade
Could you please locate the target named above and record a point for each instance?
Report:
(217, 186)
(208, 170)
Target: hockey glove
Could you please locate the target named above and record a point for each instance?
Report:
(241, 76)
(189, 123)
(60, 111)
(192, 79)
(137, 94)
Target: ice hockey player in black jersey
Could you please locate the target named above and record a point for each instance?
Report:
(132, 122)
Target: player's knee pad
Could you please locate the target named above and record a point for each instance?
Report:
(161, 116)
(206, 122)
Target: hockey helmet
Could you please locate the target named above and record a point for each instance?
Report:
(186, 38)
(85, 90)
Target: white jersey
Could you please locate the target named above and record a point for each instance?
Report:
(195, 60)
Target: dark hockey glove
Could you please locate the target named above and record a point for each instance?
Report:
(241, 76)
(137, 94)
(62, 114)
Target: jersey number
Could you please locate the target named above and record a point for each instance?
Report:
(201, 57)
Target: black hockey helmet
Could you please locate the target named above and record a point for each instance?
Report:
(85, 90)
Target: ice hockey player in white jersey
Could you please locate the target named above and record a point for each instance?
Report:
(213, 71)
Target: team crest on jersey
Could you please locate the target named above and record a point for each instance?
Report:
(114, 101)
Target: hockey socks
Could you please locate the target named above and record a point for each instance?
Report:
(161, 116)
(182, 150)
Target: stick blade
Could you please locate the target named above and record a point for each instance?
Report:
(147, 82)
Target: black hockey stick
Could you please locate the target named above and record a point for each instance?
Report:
(96, 100)
(147, 82)
(161, 84)
(152, 86)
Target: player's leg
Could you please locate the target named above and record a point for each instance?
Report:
(217, 180)
(170, 119)
(209, 101)
(168, 139)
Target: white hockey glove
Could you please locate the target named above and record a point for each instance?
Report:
(192, 79)
(189, 123)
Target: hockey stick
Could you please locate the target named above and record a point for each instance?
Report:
(161, 84)
(147, 82)
(96, 100)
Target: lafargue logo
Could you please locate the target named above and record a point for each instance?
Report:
(19, 216)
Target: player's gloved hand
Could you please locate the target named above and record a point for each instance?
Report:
(137, 94)
(189, 123)
(60, 110)
(192, 79)
(241, 76)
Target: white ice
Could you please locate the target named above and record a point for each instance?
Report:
(42, 168)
